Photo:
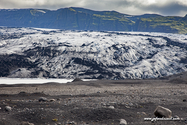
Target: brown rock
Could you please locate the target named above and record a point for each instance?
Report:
(162, 112)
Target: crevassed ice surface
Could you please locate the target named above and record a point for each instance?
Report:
(89, 54)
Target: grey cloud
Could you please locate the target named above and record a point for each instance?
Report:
(170, 9)
(164, 7)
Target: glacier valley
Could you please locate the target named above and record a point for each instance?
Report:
(53, 53)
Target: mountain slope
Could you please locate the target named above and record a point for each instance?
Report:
(28, 52)
(65, 18)
(162, 24)
(74, 18)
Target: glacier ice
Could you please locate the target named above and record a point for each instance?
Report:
(55, 53)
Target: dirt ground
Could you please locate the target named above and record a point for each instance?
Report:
(101, 102)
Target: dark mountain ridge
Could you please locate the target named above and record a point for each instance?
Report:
(66, 18)
(74, 18)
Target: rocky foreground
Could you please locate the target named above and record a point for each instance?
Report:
(101, 102)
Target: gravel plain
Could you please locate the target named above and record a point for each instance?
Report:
(100, 102)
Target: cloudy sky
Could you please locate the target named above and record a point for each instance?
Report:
(133, 7)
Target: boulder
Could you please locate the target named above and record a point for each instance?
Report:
(8, 108)
(123, 122)
(72, 123)
(77, 80)
(42, 99)
(52, 100)
(162, 112)
(111, 107)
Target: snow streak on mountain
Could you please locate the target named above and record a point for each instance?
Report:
(32, 52)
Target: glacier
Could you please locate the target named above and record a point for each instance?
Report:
(54, 53)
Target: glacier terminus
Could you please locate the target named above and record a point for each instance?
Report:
(53, 53)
